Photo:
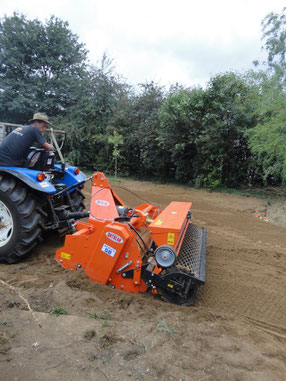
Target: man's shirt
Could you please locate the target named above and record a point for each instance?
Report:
(15, 147)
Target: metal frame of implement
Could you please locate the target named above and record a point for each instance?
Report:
(136, 249)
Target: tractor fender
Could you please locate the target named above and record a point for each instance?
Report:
(29, 177)
(70, 177)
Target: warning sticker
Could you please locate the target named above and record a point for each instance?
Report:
(159, 222)
(108, 250)
(65, 255)
(171, 239)
(44, 184)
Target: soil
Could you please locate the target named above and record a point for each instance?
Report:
(57, 324)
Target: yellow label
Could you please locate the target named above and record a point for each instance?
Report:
(44, 184)
(170, 286)
(171, 239)
(159, 222)
(65, 255)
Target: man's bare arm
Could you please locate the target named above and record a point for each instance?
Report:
(47, 146)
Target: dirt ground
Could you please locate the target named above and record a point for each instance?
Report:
(57, 324)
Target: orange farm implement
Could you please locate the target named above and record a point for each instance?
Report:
(137, 249)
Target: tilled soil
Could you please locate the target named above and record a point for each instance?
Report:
(56, 323)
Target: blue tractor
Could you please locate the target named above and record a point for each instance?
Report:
(38, 197)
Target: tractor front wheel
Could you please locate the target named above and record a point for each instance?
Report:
(20, 220)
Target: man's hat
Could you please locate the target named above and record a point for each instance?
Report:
(39, 116)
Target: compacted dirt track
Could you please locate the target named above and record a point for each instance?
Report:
(57, 323)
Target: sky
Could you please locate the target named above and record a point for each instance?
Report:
(165, 41)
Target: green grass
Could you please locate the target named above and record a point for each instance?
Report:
(101, 315)
(162, 326)
(58, 310)
(105, 324)
(6, 323)
(264, 193)
(93, 316)
(89, 334)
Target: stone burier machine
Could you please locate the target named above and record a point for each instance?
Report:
(136, 249)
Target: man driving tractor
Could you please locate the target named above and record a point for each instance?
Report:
(15, 147)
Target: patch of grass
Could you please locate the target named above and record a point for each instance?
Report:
(107, 339)
(58, 310)
(105, 315)
(12, 304)
(93, 316)
(5, 344)
(89, 334)
(262, 193)
(105, 324)
(162, 326)
(6, 323)
(131, 354)
(101, 315)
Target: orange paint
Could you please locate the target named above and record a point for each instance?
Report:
(109, 249)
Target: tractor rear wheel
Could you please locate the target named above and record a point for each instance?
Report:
(20, 220)
(77, 199)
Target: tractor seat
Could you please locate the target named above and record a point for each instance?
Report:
(40, 159)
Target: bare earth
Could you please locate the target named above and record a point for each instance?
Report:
(235, 331)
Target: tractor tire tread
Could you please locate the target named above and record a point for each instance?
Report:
(77, 198)
(27, 219)
(7, 184)
(18, 194)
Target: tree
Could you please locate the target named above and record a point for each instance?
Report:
(116, 140)
(41, 67)
(267, 140)
(229, 112)
(136, 119)
(145, 124)
(203, 132)
(91, 120)
(274, 34)
(181, 124)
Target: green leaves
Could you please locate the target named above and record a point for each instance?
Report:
(204, 131)
(41, 67)
(228, 134)
(267, 140)
(274, 35)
